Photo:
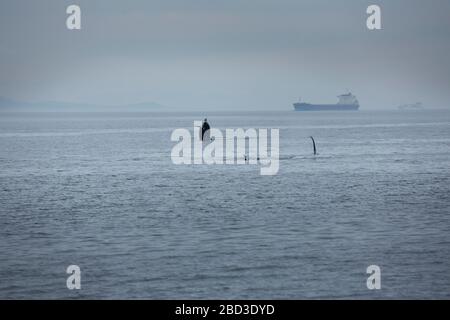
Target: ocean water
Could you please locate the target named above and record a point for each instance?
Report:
(99, 190)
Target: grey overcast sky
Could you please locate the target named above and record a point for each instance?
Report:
(226, 54)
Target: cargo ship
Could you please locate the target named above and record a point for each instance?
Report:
(412, 106)
(346, 102)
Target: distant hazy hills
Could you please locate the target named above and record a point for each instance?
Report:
(55, 106)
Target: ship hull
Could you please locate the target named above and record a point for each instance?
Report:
(325, 107)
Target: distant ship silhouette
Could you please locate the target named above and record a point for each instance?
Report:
(346, 102)
(412, 106)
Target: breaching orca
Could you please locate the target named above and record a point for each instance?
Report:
(205, 128)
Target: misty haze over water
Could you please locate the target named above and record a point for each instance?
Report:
(87, 178)
(221, 55)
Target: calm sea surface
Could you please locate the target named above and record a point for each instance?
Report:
(99, 190)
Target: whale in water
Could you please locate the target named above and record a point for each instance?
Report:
(314, 145)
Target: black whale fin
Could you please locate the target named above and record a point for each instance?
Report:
(314, 145)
